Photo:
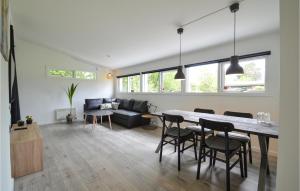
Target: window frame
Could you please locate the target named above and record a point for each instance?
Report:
(73, 71)
(220, 83)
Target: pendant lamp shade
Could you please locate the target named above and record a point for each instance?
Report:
(234, 67)
(179, 75)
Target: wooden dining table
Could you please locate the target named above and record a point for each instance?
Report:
(244, 125)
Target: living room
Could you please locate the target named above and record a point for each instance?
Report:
(107, 84)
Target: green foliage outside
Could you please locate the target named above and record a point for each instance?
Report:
(153, 82)
(85, 75)
(124, 84)
(61, 73)
(169, 83)
(135, 83)
(252, 73)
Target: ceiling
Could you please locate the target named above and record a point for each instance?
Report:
(120, 33)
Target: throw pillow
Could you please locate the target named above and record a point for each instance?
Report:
(106, 106)
(115, 105)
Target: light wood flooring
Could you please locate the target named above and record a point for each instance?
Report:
(82, 159)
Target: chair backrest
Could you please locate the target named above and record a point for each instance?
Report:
(200, 110)
(216, 125)
(172, 119)
(238, 114)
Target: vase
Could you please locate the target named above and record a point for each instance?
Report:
(28, 121)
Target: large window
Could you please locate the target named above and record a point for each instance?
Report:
(75, 74)
(202, 78)
(253, 79)
(169, 84)
(123, 84)
(152, 82)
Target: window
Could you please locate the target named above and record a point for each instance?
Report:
(135, 83)
(203, 78)
(152, 82)
(61, 73)
(83, 75)
(123, 84)
(253, 79)
(169, 84)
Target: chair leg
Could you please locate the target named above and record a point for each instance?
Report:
(204, 156)
(199, 161)
(178, 151)
(250, 150)
(210, 157)
(227, 173)
(214, 157)
(268, 168)
(161, 149)
(195, 147)
(196, 140)
(175, 145)
(241, 163)
(245, 159)
(183, 146)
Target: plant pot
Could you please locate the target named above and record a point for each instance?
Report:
(20, 123)
(29, 121)
(69, 119)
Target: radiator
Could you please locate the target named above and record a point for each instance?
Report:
(60, 114)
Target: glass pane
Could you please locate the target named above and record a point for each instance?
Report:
(85, 75)
(151, 82)
(135, 83)
(169, 83)
(123, 84)
(253, 79)
(61, 73)
(203, 78)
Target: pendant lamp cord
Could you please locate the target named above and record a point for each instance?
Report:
(234, 27)
(180, 49)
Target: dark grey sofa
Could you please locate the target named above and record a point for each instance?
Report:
(129, 113)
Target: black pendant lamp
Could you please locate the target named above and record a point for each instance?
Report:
(234, 67)
(180, 75)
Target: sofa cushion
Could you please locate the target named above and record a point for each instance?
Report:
(93, 103)
(106, 106)
(140, 106)
(126, 104)
(109, 100)
(125, 114)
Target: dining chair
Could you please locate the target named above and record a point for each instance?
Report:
(244, 139)
(175, 135)
(228, 147)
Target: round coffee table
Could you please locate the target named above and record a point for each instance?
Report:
(98, 113)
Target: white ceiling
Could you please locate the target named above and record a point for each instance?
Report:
(136, 31)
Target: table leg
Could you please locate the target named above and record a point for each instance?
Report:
(101, 119)
(109, 122)
(85, 116)
(263, 162)
(159, 145)
(94, 121)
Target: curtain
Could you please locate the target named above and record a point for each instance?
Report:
(13, 82)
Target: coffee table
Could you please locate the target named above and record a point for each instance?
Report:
(98, 113)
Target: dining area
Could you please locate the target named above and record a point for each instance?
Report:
(223, 139)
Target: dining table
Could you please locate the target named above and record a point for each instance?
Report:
(244, 125)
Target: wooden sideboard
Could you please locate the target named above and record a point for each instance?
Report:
(26, 150)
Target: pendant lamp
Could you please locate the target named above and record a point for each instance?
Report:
(234, 67)
(180, 75)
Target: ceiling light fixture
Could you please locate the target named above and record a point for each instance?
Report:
(234, 67)
(180, 75)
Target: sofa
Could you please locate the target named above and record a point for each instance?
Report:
(129, 113)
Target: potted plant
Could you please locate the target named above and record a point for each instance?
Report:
(70, 93)
(28, 119)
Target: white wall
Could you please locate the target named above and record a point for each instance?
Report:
(220, 103)
(41, 95)
(288, 157)
(6, 182)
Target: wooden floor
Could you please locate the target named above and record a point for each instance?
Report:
(82, 159)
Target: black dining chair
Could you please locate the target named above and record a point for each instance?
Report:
(244, 139)
(221, 144)
(175, 135)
